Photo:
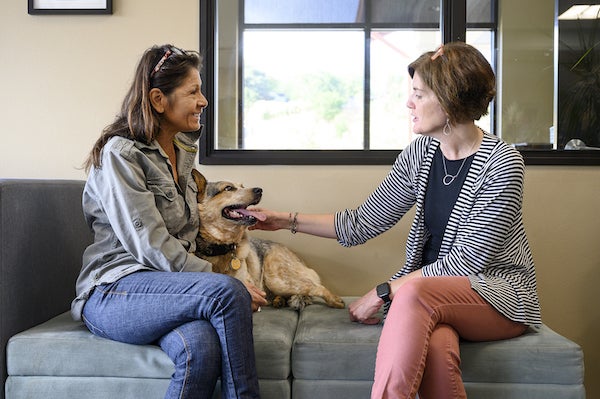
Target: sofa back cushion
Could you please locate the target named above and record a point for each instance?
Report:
(42, 237)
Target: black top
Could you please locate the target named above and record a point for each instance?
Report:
(440, 199)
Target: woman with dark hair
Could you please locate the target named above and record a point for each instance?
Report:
(141, 282)
(469, 272)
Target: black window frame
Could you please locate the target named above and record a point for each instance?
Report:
(451, 10)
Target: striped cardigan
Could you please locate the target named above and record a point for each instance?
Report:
(485, 238)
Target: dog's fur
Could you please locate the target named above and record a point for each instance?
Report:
(223, 240)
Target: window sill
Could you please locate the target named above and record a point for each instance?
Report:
(373, 157)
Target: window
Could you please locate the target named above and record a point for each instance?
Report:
(325, 82)
(579, 74)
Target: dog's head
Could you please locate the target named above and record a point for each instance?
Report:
(223, 208)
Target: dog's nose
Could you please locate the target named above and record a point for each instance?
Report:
(257, 190)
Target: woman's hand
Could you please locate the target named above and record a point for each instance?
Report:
(259, 297)
(315, 224)
(270, 220)
(363, 310)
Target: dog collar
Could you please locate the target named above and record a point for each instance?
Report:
(217, 249)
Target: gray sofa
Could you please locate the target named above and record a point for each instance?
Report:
(316, 353)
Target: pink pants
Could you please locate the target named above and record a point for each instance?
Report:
(418, 349)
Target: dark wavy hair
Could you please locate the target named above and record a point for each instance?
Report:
(162, 67)
(461, 78)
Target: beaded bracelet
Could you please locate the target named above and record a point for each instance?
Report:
(294, 223)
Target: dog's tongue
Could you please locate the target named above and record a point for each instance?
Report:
(249, 212)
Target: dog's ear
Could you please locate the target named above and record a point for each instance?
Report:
(201, 183)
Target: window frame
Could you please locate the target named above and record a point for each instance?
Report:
(208, 155)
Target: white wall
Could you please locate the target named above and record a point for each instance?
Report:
(63, 77)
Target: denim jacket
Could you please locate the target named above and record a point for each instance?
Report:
(141, 219)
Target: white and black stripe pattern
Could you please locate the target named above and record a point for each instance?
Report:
(485, 238)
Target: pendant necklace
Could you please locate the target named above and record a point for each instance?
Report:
(448, 179)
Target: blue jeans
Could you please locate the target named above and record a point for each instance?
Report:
(203, 321)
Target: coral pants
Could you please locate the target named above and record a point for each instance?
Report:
(419, 346)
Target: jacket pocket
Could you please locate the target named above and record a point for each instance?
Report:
(170, 204)
(163, 190)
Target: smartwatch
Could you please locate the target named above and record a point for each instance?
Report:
(383, 292)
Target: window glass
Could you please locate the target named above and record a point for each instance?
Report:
(303, 89)
(479, 12)
(391, 52)
(407, 11)
(578, 75)
(300, 11)
(525, 89)
(483, 40)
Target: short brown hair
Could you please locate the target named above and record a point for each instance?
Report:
(460, 77)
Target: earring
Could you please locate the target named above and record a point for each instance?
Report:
(447, 129)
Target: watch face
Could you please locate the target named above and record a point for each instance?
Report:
(383, 290)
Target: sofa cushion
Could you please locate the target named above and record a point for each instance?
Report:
(63, 347)
(540, 356)
(49, 387)
(327, 389)
(328, 346)
(42, 236)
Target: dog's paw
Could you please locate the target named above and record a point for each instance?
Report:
(278, 302)
(299, 302)
(337, 302)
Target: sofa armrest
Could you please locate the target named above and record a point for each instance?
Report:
(42, 237)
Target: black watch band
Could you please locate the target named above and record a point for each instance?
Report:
(383, 292)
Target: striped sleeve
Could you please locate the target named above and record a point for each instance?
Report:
(390, 201)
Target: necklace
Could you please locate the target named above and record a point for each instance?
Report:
(448, 179)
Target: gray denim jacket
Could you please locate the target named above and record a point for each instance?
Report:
(140, 218)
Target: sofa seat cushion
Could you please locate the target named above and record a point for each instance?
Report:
(540, 356)
(48, 387)
(63, 347)
(328, 346)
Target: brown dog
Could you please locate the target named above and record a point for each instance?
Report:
(223, 240)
